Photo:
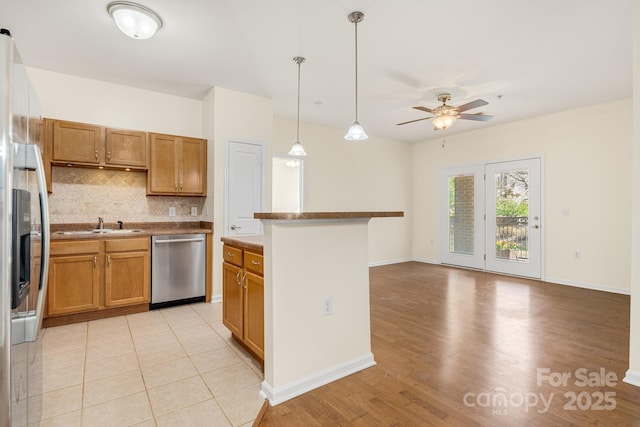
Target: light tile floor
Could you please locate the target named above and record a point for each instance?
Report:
(177, 366)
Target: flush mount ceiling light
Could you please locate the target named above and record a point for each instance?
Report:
(135, 20)
(356, 132)
(297, 149)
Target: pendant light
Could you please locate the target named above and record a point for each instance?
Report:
(136, 21)
(356, 132)
(297, 149)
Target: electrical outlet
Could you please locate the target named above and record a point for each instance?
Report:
(194, 211)
(327, 306)
(172, 211)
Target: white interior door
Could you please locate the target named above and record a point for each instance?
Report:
(491, 217)
(513, 225)
(244, 188)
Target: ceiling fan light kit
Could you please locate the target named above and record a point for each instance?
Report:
(297, 149)
(356, 131)
(134, 20)
(445, 115)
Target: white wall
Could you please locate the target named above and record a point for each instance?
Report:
(229, 114)
(67, 97)
(633, 374)
(371, 175)
(587, 156)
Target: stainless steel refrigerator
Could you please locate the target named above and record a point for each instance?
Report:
(24, 242)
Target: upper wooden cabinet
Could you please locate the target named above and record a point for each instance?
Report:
(177, 165)
(81, 144)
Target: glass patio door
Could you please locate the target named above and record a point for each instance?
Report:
(462, 211)
(513, 224)
(490, 217)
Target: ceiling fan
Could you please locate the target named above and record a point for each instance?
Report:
(445, 115)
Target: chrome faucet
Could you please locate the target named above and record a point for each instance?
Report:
(100, 223)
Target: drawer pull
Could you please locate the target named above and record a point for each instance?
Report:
(230, 255)
(238, 278)
(254, 262)
(108, 260)
(95, 262)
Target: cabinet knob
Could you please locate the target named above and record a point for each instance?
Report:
(230, 255)
(96, 154)
(108, 155)
(109, 261)
(95, 262)
(175, 186)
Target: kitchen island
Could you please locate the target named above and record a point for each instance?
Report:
(316, 299)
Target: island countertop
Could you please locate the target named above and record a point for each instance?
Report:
(324, 215)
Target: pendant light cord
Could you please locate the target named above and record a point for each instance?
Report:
(356, 33)
(298, 127)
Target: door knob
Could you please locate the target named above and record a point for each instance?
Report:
(535, 226)
(235, 227)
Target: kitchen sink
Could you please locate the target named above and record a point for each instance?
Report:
(101, 231)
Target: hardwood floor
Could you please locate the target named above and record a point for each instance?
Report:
(464, 348)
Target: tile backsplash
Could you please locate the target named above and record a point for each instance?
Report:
(82, 195)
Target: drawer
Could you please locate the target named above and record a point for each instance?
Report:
(75, 247)
(125, 245)
(254, 263)
(232, 255)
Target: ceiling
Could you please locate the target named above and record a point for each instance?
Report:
(525, 57)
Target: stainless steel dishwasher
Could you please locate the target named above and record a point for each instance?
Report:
(177, 269)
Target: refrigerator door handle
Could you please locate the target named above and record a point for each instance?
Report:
(33, 161)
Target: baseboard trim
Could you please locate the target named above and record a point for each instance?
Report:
(427, 261)
(632, 377)
(216, 298)
(289, 391)
(389, 262)
(591, 286)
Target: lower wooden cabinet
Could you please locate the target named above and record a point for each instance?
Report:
(127, 272)
(74, 277)
(92, 275)
(243, 297)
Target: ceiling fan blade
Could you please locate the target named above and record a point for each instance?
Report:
(428, 110)
(473, 104)
(411, 121)
(478, 117)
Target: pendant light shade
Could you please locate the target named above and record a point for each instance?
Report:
(135, 20)
(297, 149)
(356, 132)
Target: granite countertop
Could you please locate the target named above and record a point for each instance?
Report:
(324, 215)
(139, 229)
(252, 243)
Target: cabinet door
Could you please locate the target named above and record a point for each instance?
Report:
(162, 177)
(126, 148)
(76, 143)
(193, 166)
(74, 284)
(232, 299)
(254, 313)
(126, 278)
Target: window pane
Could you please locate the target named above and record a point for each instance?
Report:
(512, 215)
(461, 214)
